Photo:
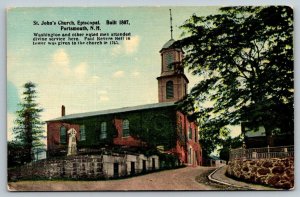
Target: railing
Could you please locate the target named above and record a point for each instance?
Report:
(259, 153)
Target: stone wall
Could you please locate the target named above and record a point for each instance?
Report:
(72, 167)
(274, 172)
(83, 167)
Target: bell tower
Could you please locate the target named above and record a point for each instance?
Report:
(172, 82)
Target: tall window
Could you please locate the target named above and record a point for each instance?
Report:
(103, 131)
(63, 135)
(125, 128)
(169, 61)
(169, 89)
(190, 133)
(82, 133)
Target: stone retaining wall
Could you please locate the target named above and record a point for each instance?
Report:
(84, 167)
(274, 172)
(69, 167)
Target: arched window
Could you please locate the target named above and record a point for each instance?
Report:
(103, 131)
(169, 90)
(82, 132)
(190, 133)
(63, 135)
(125, 128)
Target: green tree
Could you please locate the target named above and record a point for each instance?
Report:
(28, 130)
(244, 58)
(229, 143)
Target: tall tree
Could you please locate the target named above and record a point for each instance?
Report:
(244, 58)
(229, 143)
(28, 130)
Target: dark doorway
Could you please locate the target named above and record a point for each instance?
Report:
(144, 165)
(116, 169)
(153, 163)
(132, 169)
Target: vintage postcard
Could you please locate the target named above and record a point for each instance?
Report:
(150, 98)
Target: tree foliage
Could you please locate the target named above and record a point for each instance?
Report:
(16, 154)
(154, 128)
(28, 126)
(229, 143)
(244, 59)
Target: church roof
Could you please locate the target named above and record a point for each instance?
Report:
(113, 111)
(168, 44)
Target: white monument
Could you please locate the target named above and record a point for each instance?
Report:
(72, 148)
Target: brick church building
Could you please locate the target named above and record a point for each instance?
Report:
(160, 125)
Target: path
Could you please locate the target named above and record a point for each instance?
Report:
(178, 179)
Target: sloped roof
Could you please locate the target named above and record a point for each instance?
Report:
(168, 44)
(112, 111)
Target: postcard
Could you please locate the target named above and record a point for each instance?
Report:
(150, 98)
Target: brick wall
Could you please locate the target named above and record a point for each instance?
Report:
(53, 134)
(178, 88)
(275, 172)
(125, 141)
(181, 149)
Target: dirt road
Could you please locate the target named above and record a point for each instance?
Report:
(178, 179)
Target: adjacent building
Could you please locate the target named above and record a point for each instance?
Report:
(256, 137)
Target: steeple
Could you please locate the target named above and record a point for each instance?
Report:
(171, 26)
(172, 82)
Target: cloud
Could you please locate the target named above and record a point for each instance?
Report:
(127, 46)
(118, 74)
(103, 97)
(135, 73)
(61, 64)
(95, 78)
(132, 44)
(81, 70)
(116, 50)
(60, 57)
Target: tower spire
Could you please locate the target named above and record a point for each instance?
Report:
(171, 27)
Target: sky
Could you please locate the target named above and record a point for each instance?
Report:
(90, 78)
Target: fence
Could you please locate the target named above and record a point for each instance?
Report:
(260, 153)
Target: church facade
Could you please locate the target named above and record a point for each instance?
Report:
(160, 125)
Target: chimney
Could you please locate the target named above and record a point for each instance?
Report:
(63, 110)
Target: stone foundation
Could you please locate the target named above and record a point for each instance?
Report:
(85, 167)
(274, 172)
